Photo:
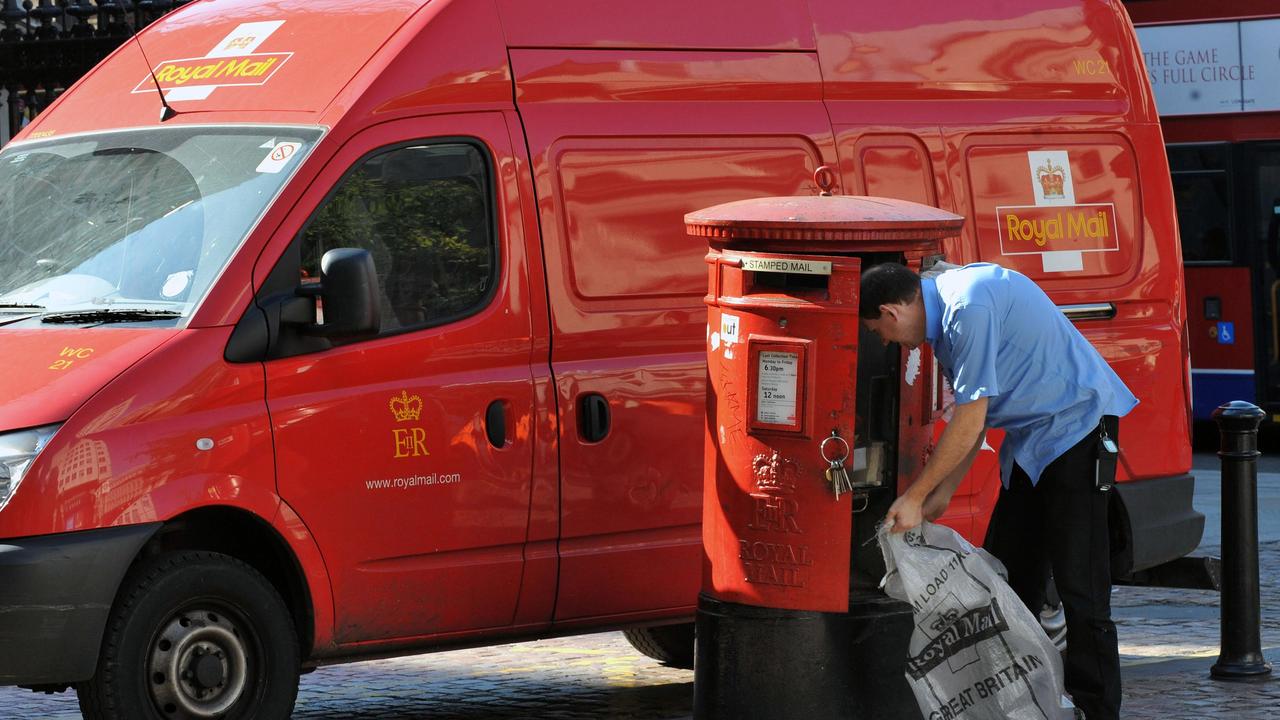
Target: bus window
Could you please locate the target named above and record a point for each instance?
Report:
(1202, 191)
(1265, 221)
(1268, 203)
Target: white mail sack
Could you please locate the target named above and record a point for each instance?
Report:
(976, 651)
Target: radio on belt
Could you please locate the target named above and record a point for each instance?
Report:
(810, 425)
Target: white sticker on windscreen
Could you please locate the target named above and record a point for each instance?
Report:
(175, 284)
(279, 157)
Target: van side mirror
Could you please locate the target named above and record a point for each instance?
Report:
(349, 297)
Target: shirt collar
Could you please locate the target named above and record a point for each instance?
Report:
(932, 311)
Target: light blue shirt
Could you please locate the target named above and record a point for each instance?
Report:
(997, 335)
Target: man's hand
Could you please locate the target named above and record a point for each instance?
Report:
(908, 511)
(905, 513)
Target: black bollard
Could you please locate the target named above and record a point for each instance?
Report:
(1240, 658)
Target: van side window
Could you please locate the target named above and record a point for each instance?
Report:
(425, 214)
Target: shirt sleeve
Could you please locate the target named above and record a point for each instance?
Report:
(974, 336)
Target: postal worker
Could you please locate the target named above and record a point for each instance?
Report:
(1014, 362)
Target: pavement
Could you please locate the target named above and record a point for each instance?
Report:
(1169, 638)
(1168, 641)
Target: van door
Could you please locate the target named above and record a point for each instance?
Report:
(408, 455)
(623, 143)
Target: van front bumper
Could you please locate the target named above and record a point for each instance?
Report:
(55, 594)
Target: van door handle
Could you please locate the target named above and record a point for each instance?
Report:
(1089, 311)
(495, 423)
(593, 417)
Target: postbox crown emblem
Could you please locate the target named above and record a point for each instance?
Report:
(1052, 179)
(775, 475)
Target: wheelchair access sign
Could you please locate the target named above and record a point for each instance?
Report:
(1226, 333)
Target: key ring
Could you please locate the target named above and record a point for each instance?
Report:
(822, 449)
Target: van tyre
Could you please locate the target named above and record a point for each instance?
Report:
(194, 635)
(671, 645)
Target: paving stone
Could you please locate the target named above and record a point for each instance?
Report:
(1168, 641)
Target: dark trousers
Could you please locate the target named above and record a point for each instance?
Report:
(1060, 524)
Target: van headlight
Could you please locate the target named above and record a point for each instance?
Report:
(17, 451)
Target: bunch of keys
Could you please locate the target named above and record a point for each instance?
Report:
(837, 476)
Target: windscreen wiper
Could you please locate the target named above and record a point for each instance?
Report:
(20, 306)
(110, 315)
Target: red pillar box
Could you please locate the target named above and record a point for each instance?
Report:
(798, 391)
(782, 355)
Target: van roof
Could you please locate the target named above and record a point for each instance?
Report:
(320, 62)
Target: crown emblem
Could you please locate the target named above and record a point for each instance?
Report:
(1052, 179)
(405, 406)
(944, 619)
(775, 475)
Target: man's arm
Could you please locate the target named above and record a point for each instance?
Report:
(950, 460)
(935, 505)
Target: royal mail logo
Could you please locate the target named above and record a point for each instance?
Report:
(1034, 229)
(411, 441)
(232, 62)
(253, 69)
(405, 407)
(962, 631)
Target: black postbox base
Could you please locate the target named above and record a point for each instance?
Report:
(757, 663)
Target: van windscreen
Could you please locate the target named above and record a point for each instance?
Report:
(135, 220)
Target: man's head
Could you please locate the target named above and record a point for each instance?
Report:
(891, 304)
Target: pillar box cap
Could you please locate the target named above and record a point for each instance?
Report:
(824, 223)
(834, 218)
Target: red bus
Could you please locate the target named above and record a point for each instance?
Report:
(1214, 68)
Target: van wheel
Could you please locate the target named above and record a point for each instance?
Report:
(1053, 619)
(194, 635)
(671, 645)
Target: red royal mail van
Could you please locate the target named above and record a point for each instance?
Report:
(339, 330)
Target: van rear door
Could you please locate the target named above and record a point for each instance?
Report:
(1073, 211)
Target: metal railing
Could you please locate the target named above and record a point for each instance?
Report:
(46, 45)
(66, 19)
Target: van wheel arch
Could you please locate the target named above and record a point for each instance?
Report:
(245, 537)
(194, 634)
